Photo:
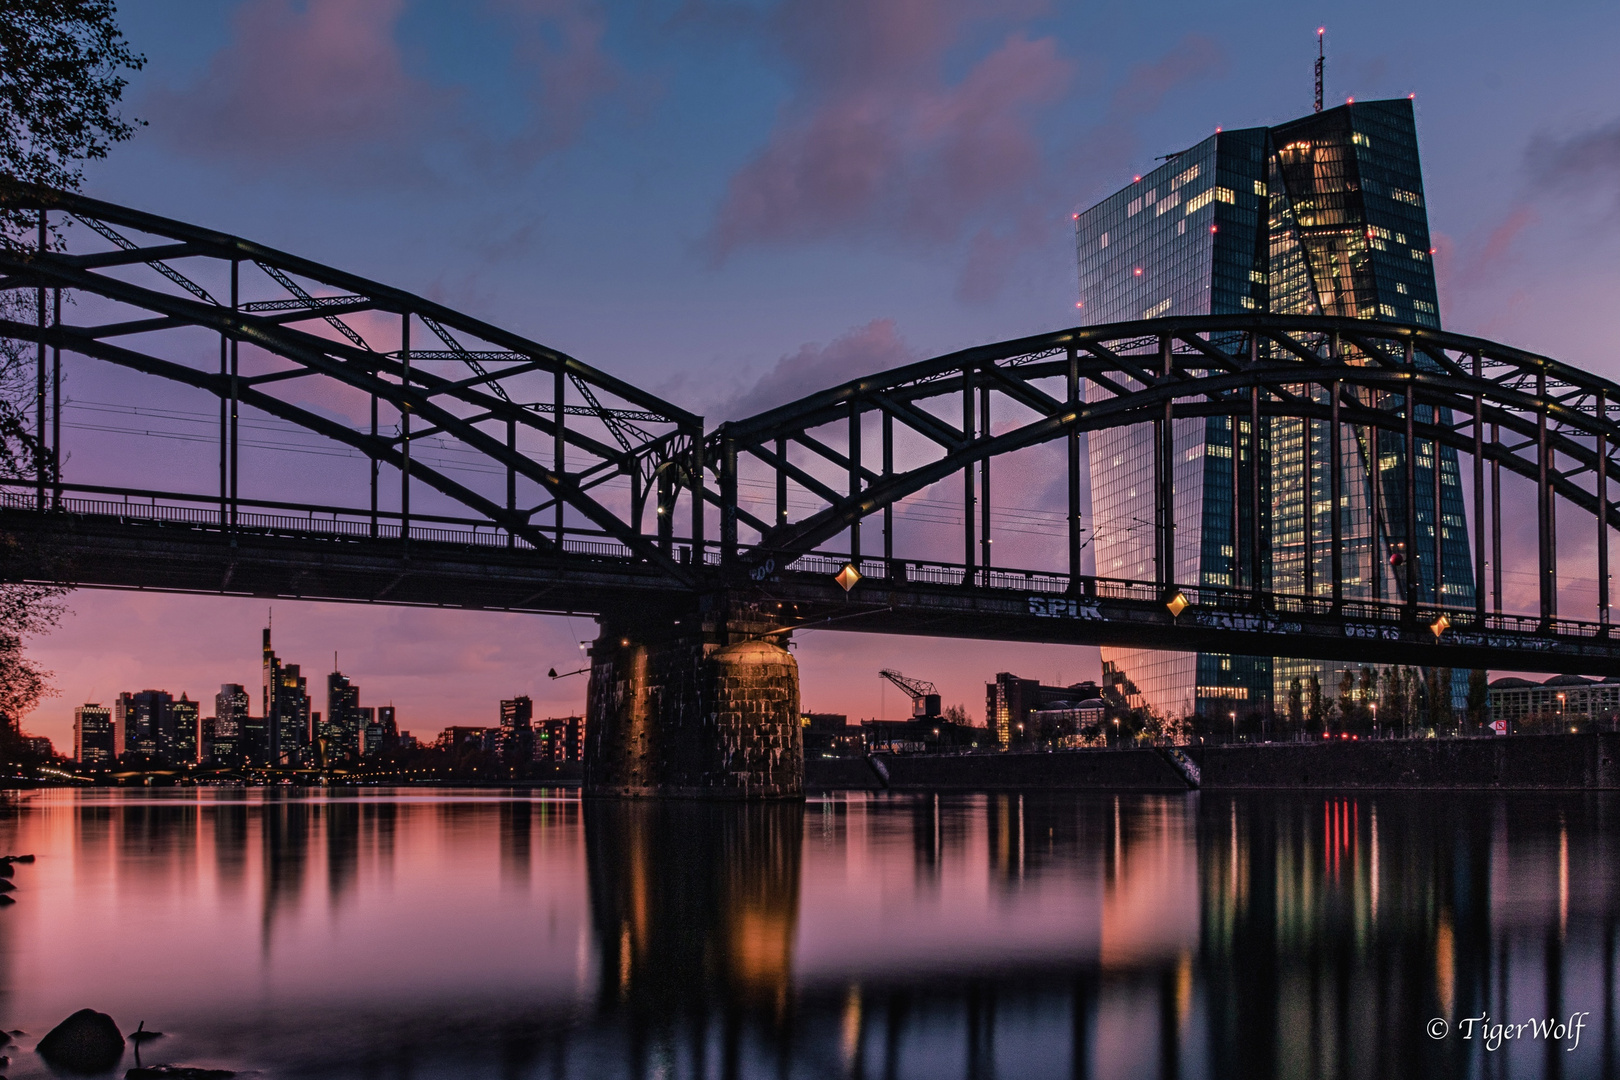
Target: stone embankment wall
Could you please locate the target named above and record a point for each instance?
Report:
(1096, 770)
(1526, 763)
(1520, 762)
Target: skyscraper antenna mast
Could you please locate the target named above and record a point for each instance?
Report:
(1321, 31)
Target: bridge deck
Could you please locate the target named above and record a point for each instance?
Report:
(146, 547)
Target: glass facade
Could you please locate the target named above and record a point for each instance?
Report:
(1321, 215)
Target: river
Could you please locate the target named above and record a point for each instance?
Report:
(441, 933)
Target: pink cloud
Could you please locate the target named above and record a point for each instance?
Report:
(875, 347)
(324, 87)
(325, 84)
(878, 136)
(1501, 238)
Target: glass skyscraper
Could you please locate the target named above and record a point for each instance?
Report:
(1323, 215)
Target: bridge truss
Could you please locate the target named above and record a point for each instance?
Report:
(586, 493)
(271, 334)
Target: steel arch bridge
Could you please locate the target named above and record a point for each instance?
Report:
(459, 464)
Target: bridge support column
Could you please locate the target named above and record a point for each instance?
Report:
(694, 704)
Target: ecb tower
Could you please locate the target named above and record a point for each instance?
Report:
(1323, 215)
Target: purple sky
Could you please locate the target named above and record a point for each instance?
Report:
(734, 204)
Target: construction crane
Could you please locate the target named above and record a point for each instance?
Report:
(924, 695)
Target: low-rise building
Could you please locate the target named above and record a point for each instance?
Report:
(1560, 700)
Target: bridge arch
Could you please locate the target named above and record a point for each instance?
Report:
(549, 429)
(1505, 408)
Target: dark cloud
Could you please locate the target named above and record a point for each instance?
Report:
(1579, 162)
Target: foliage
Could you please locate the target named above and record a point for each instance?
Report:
(955, 714)
(1315, 713)
(61, 65)
(60, 84)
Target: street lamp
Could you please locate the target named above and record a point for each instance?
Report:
(1234, 726)
(1375, 719)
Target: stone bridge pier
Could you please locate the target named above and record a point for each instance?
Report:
(694, 703)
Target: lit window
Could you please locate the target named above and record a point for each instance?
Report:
(1259, 188)
(1104, 240)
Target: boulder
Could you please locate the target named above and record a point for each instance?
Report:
(86, 1042)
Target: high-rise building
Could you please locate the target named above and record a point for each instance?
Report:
(517, 714)
(93, 736)
(144, 723)
(515, 737)
(286, 709)
(236, 741)
(184, 732)
(1322, 215)
(343, 726)
(382, 735)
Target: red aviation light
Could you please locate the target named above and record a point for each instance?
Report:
(1349, 101)
(1212, 228)
(1138, 271)
(1079, 303)
(1136, 179)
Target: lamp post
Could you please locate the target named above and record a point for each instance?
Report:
(1560, 711)
(1375, 719)
(1234, 726)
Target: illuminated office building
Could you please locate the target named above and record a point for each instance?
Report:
(1322, 215)
(237, 740)
(344, 726)
(286, 709)
(93, 732)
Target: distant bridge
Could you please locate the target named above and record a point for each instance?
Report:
(445, 461)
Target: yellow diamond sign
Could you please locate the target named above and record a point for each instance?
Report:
(1440, 625)
(848, 576)
(1178, 603)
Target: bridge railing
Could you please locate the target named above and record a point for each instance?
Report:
(326, 524)
(1388, 613)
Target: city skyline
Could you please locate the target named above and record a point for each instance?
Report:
(675, 232)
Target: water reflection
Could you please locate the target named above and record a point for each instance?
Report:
(1006, 935)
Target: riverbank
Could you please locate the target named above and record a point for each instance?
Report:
(1513, 763)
